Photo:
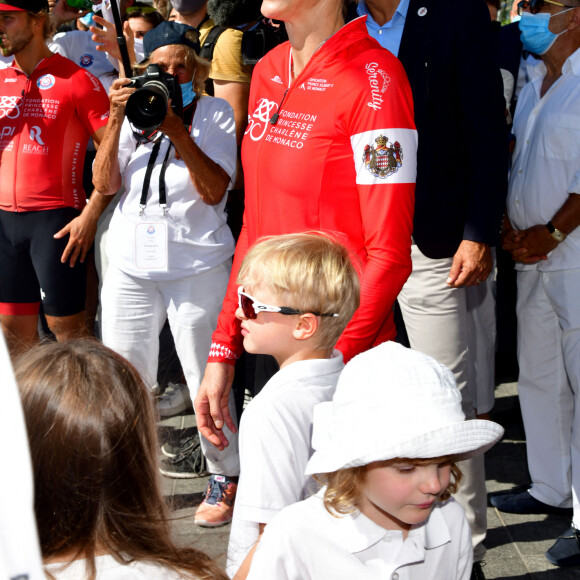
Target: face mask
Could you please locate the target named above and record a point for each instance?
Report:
(187, 93)
(188, 6)
(139, 50)
(536, 37)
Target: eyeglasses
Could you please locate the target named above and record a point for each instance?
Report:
(536, 5)
(251, 307)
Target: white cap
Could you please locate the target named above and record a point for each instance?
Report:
(392, 402)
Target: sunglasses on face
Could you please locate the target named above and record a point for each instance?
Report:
(536, 5)
(251, 307)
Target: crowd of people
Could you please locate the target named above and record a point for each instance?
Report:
(382, 152)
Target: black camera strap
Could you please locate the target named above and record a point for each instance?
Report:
(147, 180)
(151, 163)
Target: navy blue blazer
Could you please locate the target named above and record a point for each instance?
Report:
(448, 54)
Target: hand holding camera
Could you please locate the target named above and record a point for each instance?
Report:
(147, 107)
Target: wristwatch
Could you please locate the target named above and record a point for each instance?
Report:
(558, 235)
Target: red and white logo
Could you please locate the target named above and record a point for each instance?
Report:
(35, 132)
(379, 81)
(45, 82)
(10, 107)
(258, 121)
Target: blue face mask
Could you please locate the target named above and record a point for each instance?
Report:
(536, 37)
(187, 93)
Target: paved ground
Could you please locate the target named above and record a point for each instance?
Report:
(516, 544)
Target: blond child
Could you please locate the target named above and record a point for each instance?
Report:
(297, 293)
(386, 450)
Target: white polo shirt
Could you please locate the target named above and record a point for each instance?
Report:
(546, 163)
(275, 446)
(306, 542)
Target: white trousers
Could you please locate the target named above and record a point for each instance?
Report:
(437, 322)
(481, 336)
(549, 357)
(134, 312)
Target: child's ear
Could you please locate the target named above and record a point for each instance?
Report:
(306, 326)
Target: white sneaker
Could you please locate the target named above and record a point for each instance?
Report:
(174, 400)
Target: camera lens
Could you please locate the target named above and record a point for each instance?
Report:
(147, 106)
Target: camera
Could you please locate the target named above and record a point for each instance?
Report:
(147, 106)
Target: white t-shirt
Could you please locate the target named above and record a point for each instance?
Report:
(78, 46)
(198, 236)
(306, 542)
(109, 569)
(275, 446)
(19, 549)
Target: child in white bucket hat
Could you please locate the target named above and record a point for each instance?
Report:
(386, 449)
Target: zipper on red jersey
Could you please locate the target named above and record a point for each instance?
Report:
(274, 119)
(18, 129)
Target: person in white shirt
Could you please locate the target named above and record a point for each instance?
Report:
(93, 442)
(168, 245)
(19, 548)
(543, 237)
(386, 449)
(314, 286)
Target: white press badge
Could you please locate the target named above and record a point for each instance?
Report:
(151, 246)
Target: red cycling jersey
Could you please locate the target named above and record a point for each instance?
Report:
(45, 124)
(332, 150)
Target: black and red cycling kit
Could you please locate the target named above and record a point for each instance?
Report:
(332, 150)
(46, 121)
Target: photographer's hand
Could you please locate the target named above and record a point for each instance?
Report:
(119, 94)
(106, 170)
(209, 179)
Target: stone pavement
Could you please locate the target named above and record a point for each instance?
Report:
(516, 543)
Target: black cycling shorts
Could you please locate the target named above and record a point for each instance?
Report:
(30, 265)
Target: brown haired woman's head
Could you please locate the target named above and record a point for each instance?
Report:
(93, 444)
(92, 437)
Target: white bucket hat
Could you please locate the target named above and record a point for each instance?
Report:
(392, 402)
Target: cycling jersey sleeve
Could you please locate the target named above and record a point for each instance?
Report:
(384, 145)
(91, 101)
(227, 340)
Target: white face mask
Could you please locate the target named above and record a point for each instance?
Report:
(139, 50)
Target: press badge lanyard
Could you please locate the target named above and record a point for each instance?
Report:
(149, 171)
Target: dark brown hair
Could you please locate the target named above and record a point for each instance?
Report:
(93, 444)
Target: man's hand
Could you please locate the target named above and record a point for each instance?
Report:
(81, 231)
(531, 245)
(211, 404)
(471, 264)
(61, 12)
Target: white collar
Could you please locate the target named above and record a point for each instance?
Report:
(357, 533)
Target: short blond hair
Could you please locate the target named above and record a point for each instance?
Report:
(309, 271)
(344, 487)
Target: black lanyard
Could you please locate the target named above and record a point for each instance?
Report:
(188, 114)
